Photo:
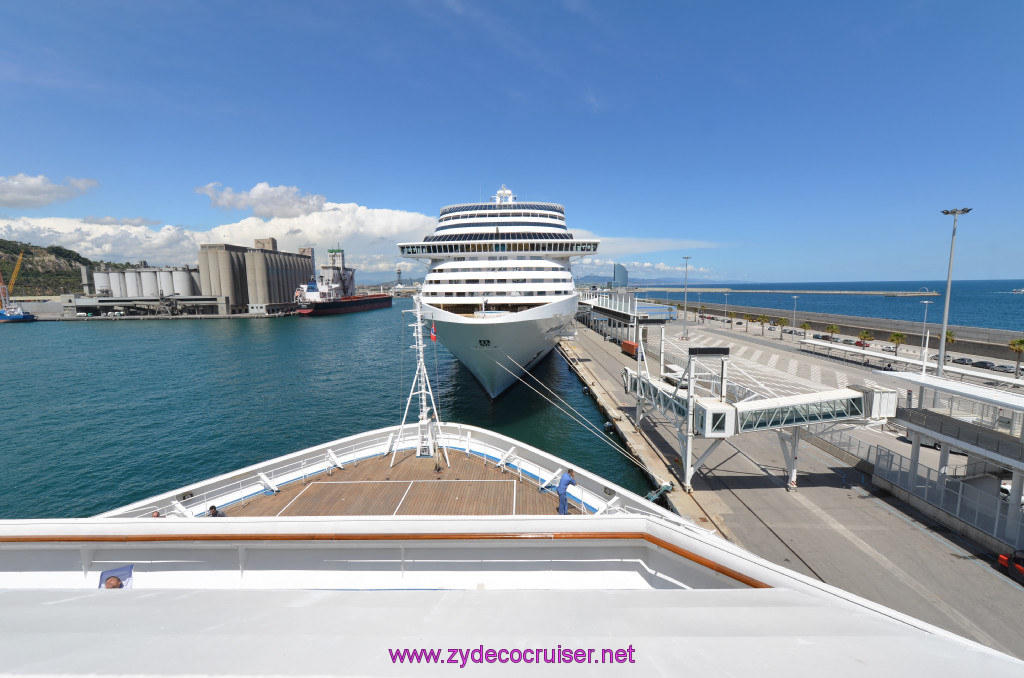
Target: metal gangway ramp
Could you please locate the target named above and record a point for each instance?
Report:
(715, 397)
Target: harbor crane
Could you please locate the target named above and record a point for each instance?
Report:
(5, 290)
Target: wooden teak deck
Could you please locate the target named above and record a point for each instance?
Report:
(469, 487)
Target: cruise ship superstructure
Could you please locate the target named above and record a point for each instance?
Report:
(499, 290)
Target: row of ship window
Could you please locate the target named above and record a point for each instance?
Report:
(554, 293)
(411, 250)
(502, 215)
(476, 269)
(467, 237)
(470, 281)
(491, 207)
(490, 224)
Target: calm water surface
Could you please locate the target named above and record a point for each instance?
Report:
(99, 414)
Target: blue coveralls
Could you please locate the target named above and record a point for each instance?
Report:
(563, 484)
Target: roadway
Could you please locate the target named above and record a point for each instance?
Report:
(836, 527)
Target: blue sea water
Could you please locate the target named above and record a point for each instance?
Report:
(102, 413)
(974, 303)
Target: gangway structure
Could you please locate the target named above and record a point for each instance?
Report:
(984, 423)
(716, 398)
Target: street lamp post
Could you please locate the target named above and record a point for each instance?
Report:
(795, 297)
(686, 284)
(924, 347)
(726, 319)
(949, 286)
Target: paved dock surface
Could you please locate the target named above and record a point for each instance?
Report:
(836, 527)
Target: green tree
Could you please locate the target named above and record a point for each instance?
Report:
(781, 322)
(732, 316)
(764, 320)
(897, 338)
(702, 310)
(866, 336)
(950, 337)
(832, 330)
(749, 318)
(806, 327)
(1017, 346)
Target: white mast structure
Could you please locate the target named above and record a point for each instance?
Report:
(429, 425)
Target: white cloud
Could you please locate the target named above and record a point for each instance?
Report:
(266, 201)
(109, 221)
(21, 190)
(369, 236)
(641, 269)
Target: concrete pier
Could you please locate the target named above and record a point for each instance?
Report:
(838, 527)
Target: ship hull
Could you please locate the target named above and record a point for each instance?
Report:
(345, 305)
(499, 350)
(16, 318)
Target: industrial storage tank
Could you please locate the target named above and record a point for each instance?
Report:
(150, 287)
(132, 283)
(101, 280)
(166, 282)
(117, 284)
(182, 283)
(196, 284)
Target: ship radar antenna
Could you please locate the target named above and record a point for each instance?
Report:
(504, 195)
(429, 424)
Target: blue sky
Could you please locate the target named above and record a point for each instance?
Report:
(773, 141)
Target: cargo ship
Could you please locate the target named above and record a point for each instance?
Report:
(334, 291)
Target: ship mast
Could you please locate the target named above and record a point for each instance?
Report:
(429, 424)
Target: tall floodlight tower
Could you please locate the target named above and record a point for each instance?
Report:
(949, 286)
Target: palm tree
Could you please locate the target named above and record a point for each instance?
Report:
(702, 310)
(764, 320)
(1017, 346)
(732, 316)
(950, 337)
(897, 338)
(806, 327)
(749, 318)
(865, 336)
(781, 322)
(832, 329)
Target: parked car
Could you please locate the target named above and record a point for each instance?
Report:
(1004, 368)
(935, 357)
(819, 336)
(889, 349)
(739, 323)
(863, 343)
(963, 361)
(848, 341)
(771, 328)
(1014, 564)
(984, 364)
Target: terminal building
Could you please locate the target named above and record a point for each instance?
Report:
(230, 280)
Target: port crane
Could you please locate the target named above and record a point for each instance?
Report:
(5, 290)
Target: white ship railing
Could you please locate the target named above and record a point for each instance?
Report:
(592, 494)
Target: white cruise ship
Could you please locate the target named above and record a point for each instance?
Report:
(499, 289)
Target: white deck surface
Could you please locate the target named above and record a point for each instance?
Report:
(761, 633)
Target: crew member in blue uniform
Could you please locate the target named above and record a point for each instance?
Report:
(568, 478)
